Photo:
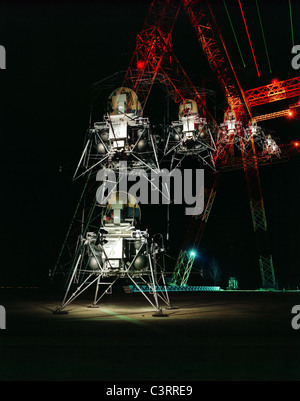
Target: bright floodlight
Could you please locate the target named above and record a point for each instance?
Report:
(192, 253)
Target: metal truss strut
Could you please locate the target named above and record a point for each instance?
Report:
(154, 59)
(278, 90)
(195, 232)
(219, 60)
(258, 214)
(183, 268)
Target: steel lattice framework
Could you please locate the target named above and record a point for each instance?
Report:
(276, 114)
(184, 266)
(241, 103)
(235, 96)
(153, 58)
(221, 66)
(278, 90)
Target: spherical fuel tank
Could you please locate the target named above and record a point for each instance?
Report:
(93, 264)
(100, 148)
(141, 262)
(142, 145)
(104, 136)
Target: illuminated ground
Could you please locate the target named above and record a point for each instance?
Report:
(211, 336)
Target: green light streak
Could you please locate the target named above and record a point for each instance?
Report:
(291, 18)
(263, 35)
(237, 43)
(122, 317)
(127, 319)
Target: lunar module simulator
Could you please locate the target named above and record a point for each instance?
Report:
(123, 135)
(119, 250)
(111, 245)
(190, 137)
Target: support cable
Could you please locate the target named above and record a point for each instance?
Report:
(291, 18)
(263, 35)
(258, 73)
(233, 31)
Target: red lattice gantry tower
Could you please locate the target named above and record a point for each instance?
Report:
(153, 59)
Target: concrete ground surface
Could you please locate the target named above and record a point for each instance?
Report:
(220, 336)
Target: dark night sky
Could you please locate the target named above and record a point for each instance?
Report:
(55, 52)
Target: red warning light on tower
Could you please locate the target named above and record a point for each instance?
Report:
(140, 65)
